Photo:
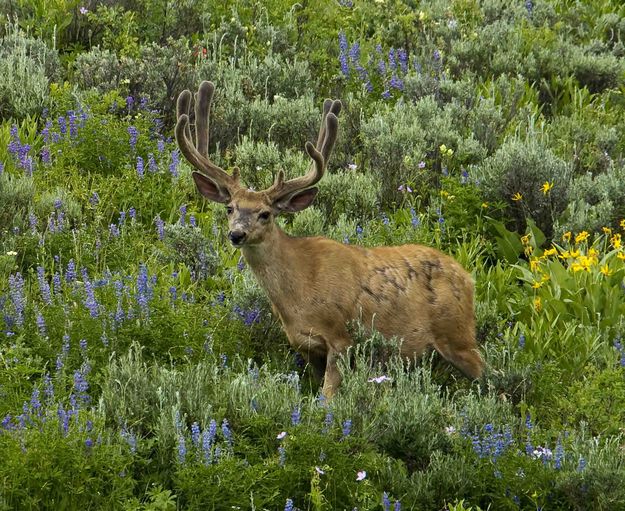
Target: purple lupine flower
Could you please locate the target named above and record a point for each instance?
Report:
(414, 219)
(343, 48)
(130, 101)
(132, 213)
(90, 300)
(140, 167)
(64, 417)
(16, 294)
(48, 387)
(195, 434)
(392, 59)
(225, 429)
(327, 422)
(402, 57)
(89, 443)
(175, 160)
(160, 145)
(152, 166)
(134, 135)
(41, 324)
(282, 455)
(183, 214)
(296, 416)
(73, 128)
(386, 94)
(144, 292)
(143, 103)
(94, 200)
(160, 228)
(81, 386)
(385, 219)
(114, 231)
(1, 168)
(44, 287)
(347, 427)
(192, 221)
(354, 52)
(62, 125)
(559, 455)
(45, 132)
(56, 282)
(436, 56)
(70, 273)
(182, 449)
(83, 345)
(44, 155)
(386, 503)
(35, 403)
(396, 82)
(289, 505)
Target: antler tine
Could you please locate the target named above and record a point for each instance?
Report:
(197, 154)
(203, 100)
(320, 154)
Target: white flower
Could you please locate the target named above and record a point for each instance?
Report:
(450, 430)
(319, 471)
(379, 379)
(11, 253)
(281, 435)
(361, 475)
(352, 166)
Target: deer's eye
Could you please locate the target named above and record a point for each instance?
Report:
(264, 215)
(229, 210)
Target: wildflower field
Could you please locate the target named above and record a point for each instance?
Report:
(141, 367)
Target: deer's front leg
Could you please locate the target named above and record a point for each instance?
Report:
(332, 377)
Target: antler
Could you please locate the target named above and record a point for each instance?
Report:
(320, 153)
(197, 154)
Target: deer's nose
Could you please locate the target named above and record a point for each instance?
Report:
(236, 237)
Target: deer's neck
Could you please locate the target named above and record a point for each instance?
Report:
(275, 264)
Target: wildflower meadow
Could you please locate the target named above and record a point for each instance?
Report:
(141, 364)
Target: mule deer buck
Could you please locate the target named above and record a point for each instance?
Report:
(316, 285)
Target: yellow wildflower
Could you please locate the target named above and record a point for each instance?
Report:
(528, 250)
(622, 223)
(517, 197)
(574, 254)
(566, 236)
(547, 186)
(443, 148)
(565, 254)
(422, 16)
(582, 236)
(538, 284)
(538, 304)
(525, 239)
(607, 230)
(550, 252)
(484, 205)
(606, 270)
(593, 255)
(621, 256)
(615, 241)
(534, 263)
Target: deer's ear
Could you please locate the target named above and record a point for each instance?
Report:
(297, 202)
(209, 189)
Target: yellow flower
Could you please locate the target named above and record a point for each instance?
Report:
(607, 230)
(525, 239)
(622, 223)
(528, 250)
(443, 148)
(621, 256)
(593, 255)
(538, 284)
(574, 254)
(422, 16)
(547, 186)
(538, 304)
(605, 270)
(616, 241)
(566, 236)
(517, 196)
(550, 252)
(534, 263)
(582, 236)
(485, 205)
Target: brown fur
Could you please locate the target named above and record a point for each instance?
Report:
(412, 292)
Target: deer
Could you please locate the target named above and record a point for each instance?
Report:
(413, 293)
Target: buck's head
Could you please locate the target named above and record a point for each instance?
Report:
(250, 213)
